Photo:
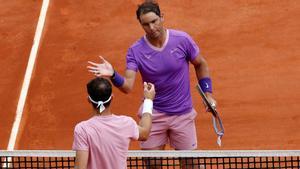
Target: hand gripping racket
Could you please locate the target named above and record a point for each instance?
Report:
(217, 122)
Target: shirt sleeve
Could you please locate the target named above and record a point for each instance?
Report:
(131, 61)
(134, 128)
(80, 139)
(191, 47)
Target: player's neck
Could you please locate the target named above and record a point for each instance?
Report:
(106, 112)
(159, 41)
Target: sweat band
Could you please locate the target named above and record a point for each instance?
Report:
(148, 106)
(117, 79)
(205, 84)
(100, 104)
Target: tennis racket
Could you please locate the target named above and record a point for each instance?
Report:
(217, 122)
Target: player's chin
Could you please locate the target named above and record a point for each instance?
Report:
(154, 35)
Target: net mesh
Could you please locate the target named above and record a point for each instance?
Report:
(161, 159)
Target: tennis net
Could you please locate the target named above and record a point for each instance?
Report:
(162, 159)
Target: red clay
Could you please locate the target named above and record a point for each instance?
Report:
(17, 26)
(252, 49)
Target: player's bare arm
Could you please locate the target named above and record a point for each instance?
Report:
(81, 159)
(146, 121)
(129, 81)
(202, 71)
(105, 69)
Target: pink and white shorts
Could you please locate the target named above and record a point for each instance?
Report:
(178, 130)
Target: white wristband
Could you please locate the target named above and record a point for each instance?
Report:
(148, 106)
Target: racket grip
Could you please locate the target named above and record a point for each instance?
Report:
(219, 141)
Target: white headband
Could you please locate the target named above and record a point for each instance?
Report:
(100, 103)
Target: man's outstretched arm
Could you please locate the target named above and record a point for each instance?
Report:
(105, 69)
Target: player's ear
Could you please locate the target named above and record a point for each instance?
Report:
(112, 96)
(162, 16)
(89, 100)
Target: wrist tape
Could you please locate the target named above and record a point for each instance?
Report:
(148, 106)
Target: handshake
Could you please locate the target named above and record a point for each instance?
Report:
(149, 94)
(149, 91)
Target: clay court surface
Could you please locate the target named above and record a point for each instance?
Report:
(252, 48)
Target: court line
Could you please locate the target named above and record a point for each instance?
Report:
(27, 78)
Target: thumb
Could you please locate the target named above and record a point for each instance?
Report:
(145, 86)
(102, 59)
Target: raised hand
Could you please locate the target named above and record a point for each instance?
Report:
(102, 69)
(149, 90)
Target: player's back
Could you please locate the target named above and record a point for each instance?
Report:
(108, 139)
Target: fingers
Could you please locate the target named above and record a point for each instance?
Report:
(93, 63)
(148, 86)
(207, 109)
(96, 73)
(92, 68)
(95, 70)
(101, 69)
(149, 90)
(213, 105)
(212, 102)
(145, 86)
(102, 59)
(151, 87)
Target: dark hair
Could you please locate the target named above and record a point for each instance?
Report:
(99, 89)
(146, 7)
